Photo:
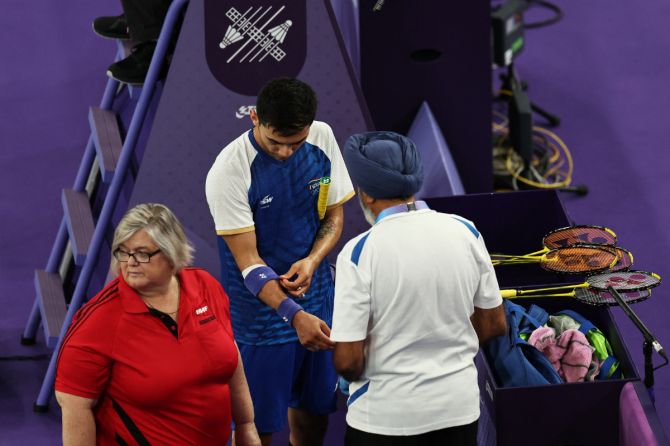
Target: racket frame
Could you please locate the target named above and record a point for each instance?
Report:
(602, 303)
(546, 263)
(538, 292)
(546, 248)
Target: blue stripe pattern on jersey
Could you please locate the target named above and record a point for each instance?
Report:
(358, 249)
(469, 226)
(358, 393)
(283, 199)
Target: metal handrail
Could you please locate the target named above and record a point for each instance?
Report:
(113, 193)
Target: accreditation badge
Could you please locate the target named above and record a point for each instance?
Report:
(322, 201)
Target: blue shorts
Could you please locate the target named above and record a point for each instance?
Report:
(288, 375)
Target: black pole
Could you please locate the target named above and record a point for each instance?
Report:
(649, 340)
(648, 366)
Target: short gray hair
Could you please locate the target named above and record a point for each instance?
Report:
(162, 226)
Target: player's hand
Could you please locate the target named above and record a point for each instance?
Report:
(313, 333)
(298, 278)
(246, 435)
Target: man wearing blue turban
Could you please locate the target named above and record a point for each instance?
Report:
(415, 295)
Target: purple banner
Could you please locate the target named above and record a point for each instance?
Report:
(248, 42)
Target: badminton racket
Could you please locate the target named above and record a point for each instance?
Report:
(624, 258)
(571, 260)
(596, 298)
(622, 281)
(568, 236)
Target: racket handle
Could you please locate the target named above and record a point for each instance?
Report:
(507, 294)
(530, 296)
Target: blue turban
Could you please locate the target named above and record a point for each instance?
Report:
(384, 164)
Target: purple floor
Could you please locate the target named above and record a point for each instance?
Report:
(604, 70)
(52, 71)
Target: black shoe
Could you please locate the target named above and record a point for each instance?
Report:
(133, 69)
(112, 27)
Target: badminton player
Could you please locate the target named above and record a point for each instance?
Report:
(275, 194)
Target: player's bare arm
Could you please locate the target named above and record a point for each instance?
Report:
(244, 250)
(312, 332)
(327, 236)
(349, 359)
(489, 323)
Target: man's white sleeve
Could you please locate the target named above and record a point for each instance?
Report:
(341, 188)
(227, 187)
(488, 291)
(352, 299)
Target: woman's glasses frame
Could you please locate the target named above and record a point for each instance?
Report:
(140, 257)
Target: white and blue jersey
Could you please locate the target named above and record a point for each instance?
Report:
(248, 190)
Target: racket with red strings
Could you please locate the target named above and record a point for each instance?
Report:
(581, 259)
(632, 285)
(569, 236)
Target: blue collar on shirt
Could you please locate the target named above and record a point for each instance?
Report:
(399, 208)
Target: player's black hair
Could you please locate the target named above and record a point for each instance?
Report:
(287, 105)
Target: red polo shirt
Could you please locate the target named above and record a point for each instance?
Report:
(153, 387)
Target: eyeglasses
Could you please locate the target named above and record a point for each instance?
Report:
(140, 257)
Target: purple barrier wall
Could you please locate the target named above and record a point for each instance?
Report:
(198, 116)
(439, 52)
(638, 420)
(346, 13)
(441, 178)
(513, 223)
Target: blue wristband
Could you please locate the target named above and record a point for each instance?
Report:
(287, 310)
(258, 277)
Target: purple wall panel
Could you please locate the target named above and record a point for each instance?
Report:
(198, 116)
(634, 425)
(346, 13)
(437, 52)
(441, 178)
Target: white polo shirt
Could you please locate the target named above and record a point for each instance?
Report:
(408, 286)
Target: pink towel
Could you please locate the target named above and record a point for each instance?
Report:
(576, 361)
(544, 339)
(570, 354)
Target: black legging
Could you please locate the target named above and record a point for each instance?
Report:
(145, 18)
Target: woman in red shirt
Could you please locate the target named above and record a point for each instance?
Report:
(151, 359)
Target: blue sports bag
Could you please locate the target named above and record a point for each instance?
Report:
(515, 362)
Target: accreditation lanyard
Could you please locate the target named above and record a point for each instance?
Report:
(400, 208)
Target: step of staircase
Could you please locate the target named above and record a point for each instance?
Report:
(107, 140)
(79, 220)
(49, 290)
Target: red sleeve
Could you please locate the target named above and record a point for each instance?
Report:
(84, 362)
